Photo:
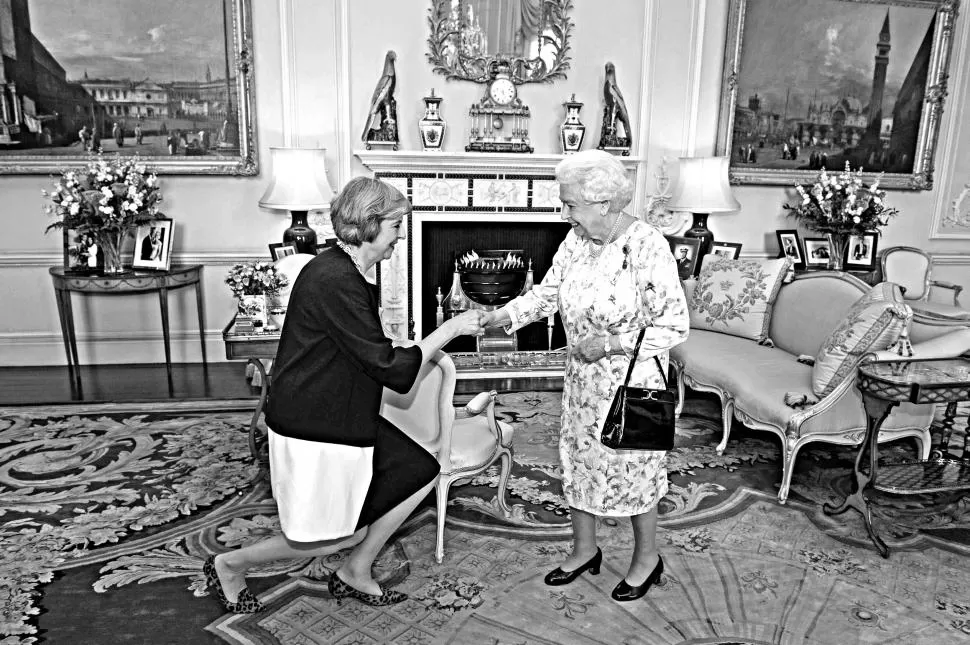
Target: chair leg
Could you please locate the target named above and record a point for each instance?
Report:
(787, 468)
(680, 393)
(441, 495)
(503, 480)
(727, 417)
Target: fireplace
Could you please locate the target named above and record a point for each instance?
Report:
(463, 202)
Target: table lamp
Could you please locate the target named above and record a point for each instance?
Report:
(702, 188)
(299, 185)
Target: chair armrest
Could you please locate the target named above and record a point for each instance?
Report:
(957, 288)
(478, 405)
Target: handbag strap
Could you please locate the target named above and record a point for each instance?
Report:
(633, 361)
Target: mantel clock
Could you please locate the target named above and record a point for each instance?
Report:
(499, 121)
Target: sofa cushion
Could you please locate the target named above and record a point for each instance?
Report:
(873, 323)
(735, 296)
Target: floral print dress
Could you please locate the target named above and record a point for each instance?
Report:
(633, 284)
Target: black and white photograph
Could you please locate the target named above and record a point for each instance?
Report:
(860, 253)
(82, 254)
(280, 250)
(685, 251)
(789, 245)
(153, 245)
(729, 250)
(818, 252)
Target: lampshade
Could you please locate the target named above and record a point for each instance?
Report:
(299, 180)
(702, 186)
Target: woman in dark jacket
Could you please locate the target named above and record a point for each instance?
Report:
(342, 475)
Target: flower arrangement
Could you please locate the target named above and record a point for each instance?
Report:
(841, 204)
(255, 278)
(107, 199)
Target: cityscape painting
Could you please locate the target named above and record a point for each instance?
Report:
(171, 82)
(813, 84)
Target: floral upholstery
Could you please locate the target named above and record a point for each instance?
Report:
(736, 296)
(873, 323)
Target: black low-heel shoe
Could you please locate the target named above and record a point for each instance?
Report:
(624, 592)
(559, 577)
(246, 602)
(340, 590)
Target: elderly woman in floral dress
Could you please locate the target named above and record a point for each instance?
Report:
(612, 276)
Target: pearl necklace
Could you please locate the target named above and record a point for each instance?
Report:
(353, 257)
(597, 251)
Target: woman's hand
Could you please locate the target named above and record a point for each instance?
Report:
(591, 348)
(468, 323)
(495, 318)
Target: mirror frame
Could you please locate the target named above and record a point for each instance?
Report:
(243, 162)
(476, 68)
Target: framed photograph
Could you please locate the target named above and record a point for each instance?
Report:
(173, 86)
(685, 251)
(153, 245)
(812, 84)
(789, 245)
(729, 250)
(82, 255)
(280, 250)
(860, 253)
(817, 252)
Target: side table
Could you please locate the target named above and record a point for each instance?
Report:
(254, 347)
(884, 385)
(121, 285)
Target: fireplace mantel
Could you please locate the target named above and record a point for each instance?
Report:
(408, 161)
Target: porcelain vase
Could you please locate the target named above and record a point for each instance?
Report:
(572, 131)
(432, 126)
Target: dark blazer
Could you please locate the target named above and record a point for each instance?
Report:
(334, 359)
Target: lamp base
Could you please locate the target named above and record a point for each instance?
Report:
(700, 231)
(300, 234)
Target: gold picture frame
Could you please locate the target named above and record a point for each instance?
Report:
(799, 77)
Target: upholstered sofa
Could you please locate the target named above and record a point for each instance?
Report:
(753, 380)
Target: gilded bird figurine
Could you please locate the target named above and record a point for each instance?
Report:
(383, 94)
(615, 109)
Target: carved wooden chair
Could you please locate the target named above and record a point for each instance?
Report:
(465, 440)
(912, 268)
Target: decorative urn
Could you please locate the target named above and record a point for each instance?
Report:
(572, 131)
(432, 126)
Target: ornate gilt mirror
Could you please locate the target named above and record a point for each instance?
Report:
(468, 35)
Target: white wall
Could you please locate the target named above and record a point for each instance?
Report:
(316, 62)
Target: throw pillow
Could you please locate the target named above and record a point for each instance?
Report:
(873, 323)
(735, 296)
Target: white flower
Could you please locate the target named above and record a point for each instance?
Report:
(75, 208)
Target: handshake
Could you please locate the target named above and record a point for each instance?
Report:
(472, 322)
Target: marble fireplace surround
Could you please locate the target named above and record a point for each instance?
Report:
(449, 190)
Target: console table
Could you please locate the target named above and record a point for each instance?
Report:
(66, 283)
(884, 385)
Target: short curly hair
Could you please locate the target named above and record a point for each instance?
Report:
(359, 209)
(600, 177)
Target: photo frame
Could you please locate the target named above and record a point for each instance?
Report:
(790, 245)
(729, 250)
(860, 252)
(153, 245)
(818, 252)
(174, 87)
(279, 250)
(81, 255)
(685, 251)
(790, 107)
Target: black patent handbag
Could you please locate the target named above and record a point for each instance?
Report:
(641, 418)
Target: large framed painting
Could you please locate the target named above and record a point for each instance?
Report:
(171, 82)
(812, 84)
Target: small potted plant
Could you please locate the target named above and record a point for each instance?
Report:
(251, 283)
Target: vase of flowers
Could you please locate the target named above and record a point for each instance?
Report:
(106, 200)
(840, 206)
(251, 283)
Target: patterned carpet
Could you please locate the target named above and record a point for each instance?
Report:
(108, 512)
